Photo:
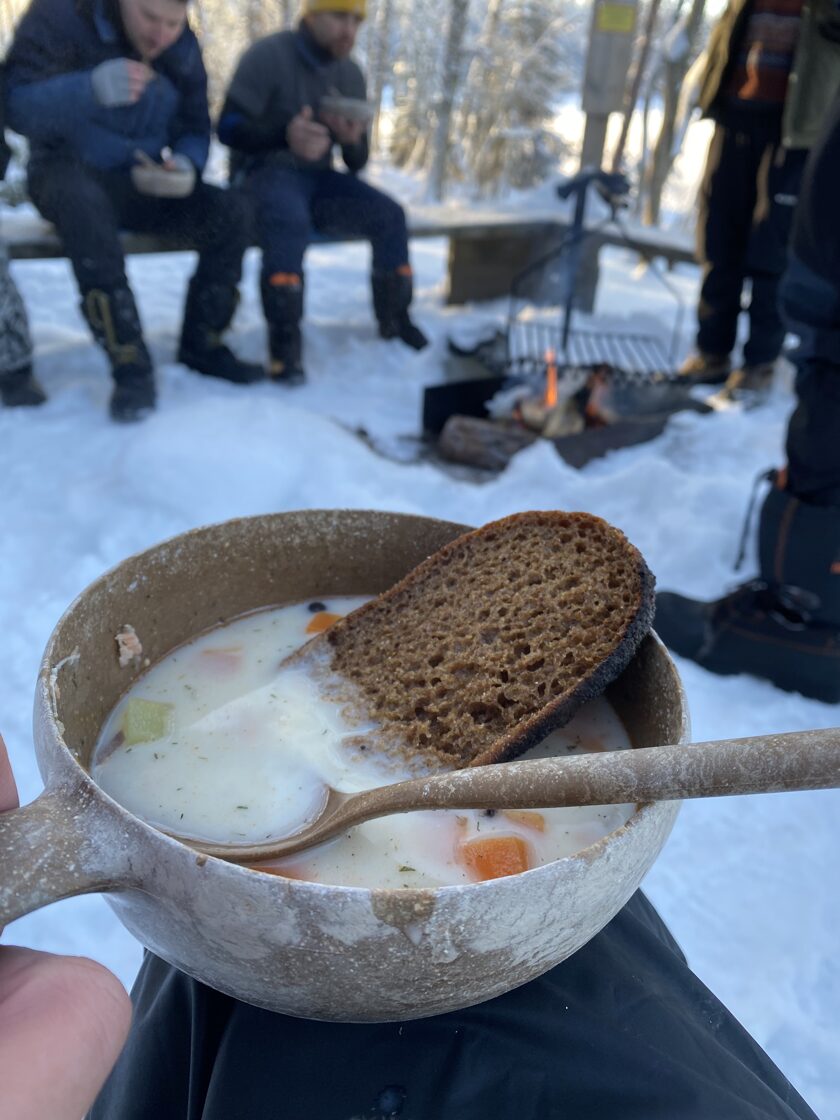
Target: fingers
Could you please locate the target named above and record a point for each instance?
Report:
(63, 1021)
(308, 138)
(139, 76)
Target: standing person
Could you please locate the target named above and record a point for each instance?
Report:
(282, 133)
(113, 97)
(785, 624)
(772, 69)
(17, 381)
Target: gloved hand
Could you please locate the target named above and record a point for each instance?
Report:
(174, 178)
(120, 81)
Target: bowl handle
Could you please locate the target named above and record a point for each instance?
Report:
(54, 848)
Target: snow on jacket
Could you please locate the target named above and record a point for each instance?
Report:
(814, 78)
(50, 97)
(275, 79)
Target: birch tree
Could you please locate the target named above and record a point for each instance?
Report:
(453, 65)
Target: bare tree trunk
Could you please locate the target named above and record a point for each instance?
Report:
(378, 62)
(458, 12)
(675, 69)
(634, 85)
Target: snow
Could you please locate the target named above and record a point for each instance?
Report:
(744, 883)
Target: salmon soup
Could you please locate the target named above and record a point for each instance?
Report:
(216, 743)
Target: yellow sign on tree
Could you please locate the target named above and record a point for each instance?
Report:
(618, 18)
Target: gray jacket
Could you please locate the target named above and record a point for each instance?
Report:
(276, 78)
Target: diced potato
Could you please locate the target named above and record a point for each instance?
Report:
(492, 857)
(528, 818)
(323, 620)
(144, 721)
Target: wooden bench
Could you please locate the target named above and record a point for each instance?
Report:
(487, 249)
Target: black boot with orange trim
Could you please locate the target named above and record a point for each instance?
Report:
(282, 299)
(783, 626)
(392, 295)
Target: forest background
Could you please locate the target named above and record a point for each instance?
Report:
(467, 91)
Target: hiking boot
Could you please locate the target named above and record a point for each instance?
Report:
(20, 389)
(749, 383)
(112, 316)
(783, 626)
(392, 294)
(282, 299)
(134, 395)
(207, 315)
(705, 369)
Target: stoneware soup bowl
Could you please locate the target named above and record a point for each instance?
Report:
(321, 952)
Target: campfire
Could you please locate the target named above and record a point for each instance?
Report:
(584, 410)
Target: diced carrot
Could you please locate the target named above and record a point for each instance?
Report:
(492, 857)
(527, 818)
(323, 620)
(223, 659)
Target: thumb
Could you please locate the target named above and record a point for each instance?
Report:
(306, 112)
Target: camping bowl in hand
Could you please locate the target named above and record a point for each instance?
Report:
(305, 949)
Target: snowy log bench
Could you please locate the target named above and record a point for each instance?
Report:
(487, 249)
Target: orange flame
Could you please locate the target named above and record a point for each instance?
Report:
(550, 399)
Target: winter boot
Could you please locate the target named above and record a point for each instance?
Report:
(19, 388)
(705, 369)
(207, 315)
(114, 322)
(783, 626)
(392, 292)
(750, 383)
(282, 298)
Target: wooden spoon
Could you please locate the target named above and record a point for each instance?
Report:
(797, 760)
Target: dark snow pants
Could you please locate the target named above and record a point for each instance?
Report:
(89, 208)
(746, 204)
(810, 302)
(622, 1030)
(811, 306)
(15, 340)
(292, 205)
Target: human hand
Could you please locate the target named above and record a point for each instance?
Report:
(120, 81)
(346, 130)
(307, 138)
(174, 178)
(63, 1021)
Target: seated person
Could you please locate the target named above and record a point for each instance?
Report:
(112, 95)
(277, 122)
(17, 381)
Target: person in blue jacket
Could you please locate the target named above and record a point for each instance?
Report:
(112, 95)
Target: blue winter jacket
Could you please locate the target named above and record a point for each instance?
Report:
(50, 98)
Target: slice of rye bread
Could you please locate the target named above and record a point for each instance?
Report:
(496, 639)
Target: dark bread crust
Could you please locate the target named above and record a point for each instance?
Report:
(499, 637)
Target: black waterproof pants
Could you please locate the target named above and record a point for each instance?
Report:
(622, 1030)
(746, 204)
(810, 302)
(89, 209)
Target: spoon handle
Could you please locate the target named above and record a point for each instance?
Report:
(796, 760)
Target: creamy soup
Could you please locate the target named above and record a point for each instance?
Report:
(215, 742)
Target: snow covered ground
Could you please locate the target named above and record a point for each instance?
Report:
(745, 883)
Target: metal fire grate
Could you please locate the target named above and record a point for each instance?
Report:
(535, 332)
(636, 357)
